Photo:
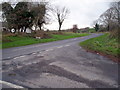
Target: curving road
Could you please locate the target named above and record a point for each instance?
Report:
(59, 64)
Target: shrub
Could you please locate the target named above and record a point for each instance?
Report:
(42, 34)
(115, 33)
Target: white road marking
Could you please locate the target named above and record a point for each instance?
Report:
(10, 84)
(33, 53)
(19, 57)
(60, 47)
(22, 56)
(16, 57)
(67, 45)
(47, 50)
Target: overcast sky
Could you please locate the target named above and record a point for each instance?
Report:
(82, 12)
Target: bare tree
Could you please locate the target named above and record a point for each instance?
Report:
(107, 18)
(116, 10)
(110, 19)
(61, 14)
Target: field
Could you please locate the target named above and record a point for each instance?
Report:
(92, 30)
(15, 41)
(102, 44)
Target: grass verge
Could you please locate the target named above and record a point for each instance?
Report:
(102, 44)
(15, 41)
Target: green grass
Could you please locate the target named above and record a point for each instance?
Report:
(92, 30)
(102, 44)
(16, 41)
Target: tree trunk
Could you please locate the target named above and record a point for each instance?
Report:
(60, 27)
(21, 29)
(108, 27)
(40, 27)
(25, 29)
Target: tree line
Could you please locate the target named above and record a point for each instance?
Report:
(27, 14)
(110, 20)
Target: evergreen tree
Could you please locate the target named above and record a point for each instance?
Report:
(96, 27)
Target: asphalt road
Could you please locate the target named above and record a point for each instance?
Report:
(59, 64)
